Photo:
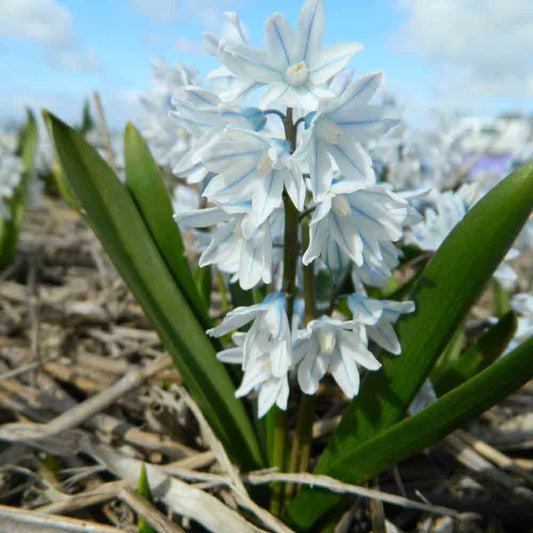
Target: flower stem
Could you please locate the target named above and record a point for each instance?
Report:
(301, 444)
(290, 258)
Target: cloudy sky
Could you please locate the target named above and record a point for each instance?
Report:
(475, 56)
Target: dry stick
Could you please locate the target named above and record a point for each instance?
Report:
(17, 520)
(507, 486)
(142, 507)
(337, 486)
(25, 368)
(85, 410)
(493, 455)
(104, 130)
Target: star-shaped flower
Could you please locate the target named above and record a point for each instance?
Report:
(292, 64)
(339, 346)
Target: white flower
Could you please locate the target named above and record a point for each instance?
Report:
(11, 170)
(336, 131)
(439, 221)
(252, 166)
(258, 375)
(269, 335)
(204, 116)
(292, 64)
(238, 245)
(339, 346)
(522, 304)
(359, 219)
(379, 317)
(167, 141)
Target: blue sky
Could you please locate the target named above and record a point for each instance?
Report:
(445, 54)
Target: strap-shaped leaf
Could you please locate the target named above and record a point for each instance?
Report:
(451, 282)
(422, 430)
(144, 181)
(114, 217)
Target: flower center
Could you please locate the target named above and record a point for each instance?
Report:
(330, 132)
(264, 165)
(326, 339)
(341, 206)
(296, 74)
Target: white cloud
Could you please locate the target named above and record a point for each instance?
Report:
(208, 12)
(51, 24)
(187, 46)
(162, 10)
(482, 47)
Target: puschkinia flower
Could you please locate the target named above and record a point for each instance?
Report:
(359, 218)
(379, 317)
(292, 65)
(336, 131)
(269, 334)
(331, 344)
(522, 304)
(447, 210)
(204, 116)
(257, 376)
(251, 166)
(11, 170)
(238, 246)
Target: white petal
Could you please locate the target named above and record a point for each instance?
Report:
(383, 334)
(354, 163)
(251, 379)
(267, 195)
(280, 358)
(330, 61)
(365, 310)
(352, 347)
(230, 356)
(201, 218)
(357, 94)
(319, 169)
(295, 185)
(344, 231)
(279, 41)
(236, 319)
(283, 394)
(250, 63)
(312, 369)
(273, 95)
(346, 375)
(268, 395)
(317, 242)
(367, 122)
(310, 29)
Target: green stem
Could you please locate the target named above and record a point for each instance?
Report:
(301, 444)
(502, 301)
(290, 257)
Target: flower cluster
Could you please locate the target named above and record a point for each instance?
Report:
(10, 175)
(300, 151)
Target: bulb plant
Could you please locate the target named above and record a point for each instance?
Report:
(291, 197)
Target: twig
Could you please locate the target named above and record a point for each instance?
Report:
(17, 520)
(104, 130)
(337, 486)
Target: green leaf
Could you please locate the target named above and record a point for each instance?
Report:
(143, 489)
(144, 181)
(484, 352)
(451, 282)
(449, 358)
(203, 281)
(123, 233)
(502, 299)
(414, 434)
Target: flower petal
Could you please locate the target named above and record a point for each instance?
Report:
(328, 62)
(236, 319)
(345, 372)
(310, 29)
